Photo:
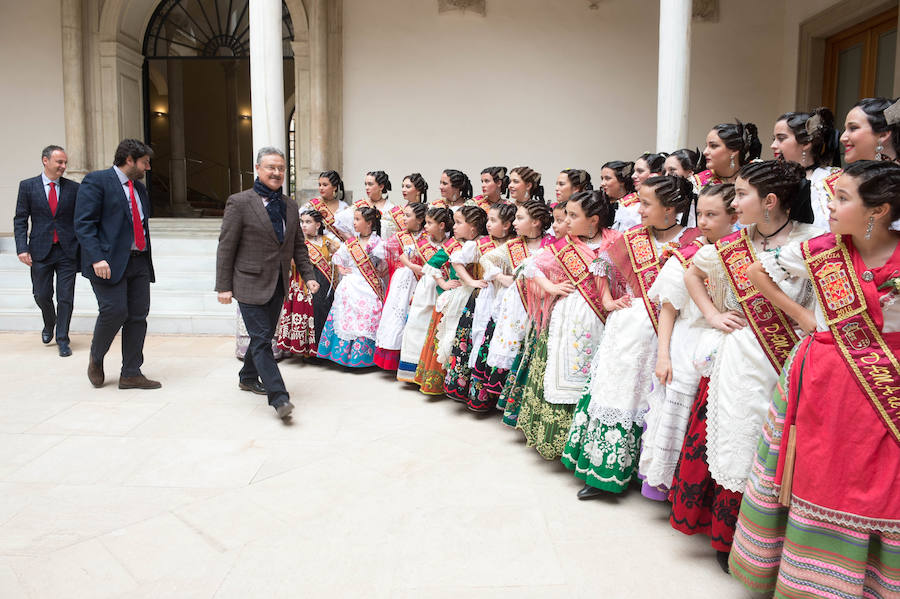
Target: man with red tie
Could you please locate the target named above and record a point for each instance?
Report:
(111, 221)
(51, 248)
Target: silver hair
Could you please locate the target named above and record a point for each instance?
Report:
(48, 151)
(267, 151)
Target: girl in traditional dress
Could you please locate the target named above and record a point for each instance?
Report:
(602, 446)
(414, 188)
(377, 187)
(456, 189)
(303, 315)
(336, 214)
(572, 181)
(729, 146)
(810, 140)
(559, 226)
(567, 316)
(821, 513)
(405, 261)
(468, 224)
(475, 316)
(617, 184)
(349, 335)
(645, 166)
(506, 329)
(524, 185)
(681, 328)
(438, 224)
(682, 162)
(727, 415)
(494, 185)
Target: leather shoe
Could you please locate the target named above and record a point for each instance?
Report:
(284, 410)
(95, 372)
(64, 350)
(589, 492)
(138, 382)
(253, 387)
(47, 336)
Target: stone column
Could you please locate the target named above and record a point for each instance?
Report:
(177, 163)
(73, 89)
(267, 76)
(231, 126)
(318, 81)
(674, 74)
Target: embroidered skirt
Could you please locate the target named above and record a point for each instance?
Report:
(457, 379)
(430, 373)
(357, 353)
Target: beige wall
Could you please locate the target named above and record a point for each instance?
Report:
(32, 115)
(549, 84)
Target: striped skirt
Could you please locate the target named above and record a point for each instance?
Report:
(794, 553)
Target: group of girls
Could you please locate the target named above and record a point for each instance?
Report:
(690, 327)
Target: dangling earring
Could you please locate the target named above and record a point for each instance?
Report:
(803, 156)
(766, 215)
(878, 150)
(731, 164)
(869, 227)
(667, 219)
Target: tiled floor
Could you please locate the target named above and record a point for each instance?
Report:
(198, 490)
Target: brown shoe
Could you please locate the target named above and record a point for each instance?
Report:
(95, 372)
(138, 382)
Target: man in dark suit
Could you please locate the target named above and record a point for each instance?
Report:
(111, 221)
(51, 248)
(259, 237)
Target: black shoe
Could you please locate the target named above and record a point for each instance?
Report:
(253, 387)
(47, 335)
(64, 350)
(722, 558)
(589, 492)
(284, 410)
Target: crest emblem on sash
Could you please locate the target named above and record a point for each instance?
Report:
(835, 285)
(738, 263)
(574, 263)
(643, 250)
(761, 308)
(856, 336)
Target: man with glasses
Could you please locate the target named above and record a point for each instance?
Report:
(259, 237)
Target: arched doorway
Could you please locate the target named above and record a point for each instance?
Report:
(196, 81)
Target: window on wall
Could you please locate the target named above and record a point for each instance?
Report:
(859, 63)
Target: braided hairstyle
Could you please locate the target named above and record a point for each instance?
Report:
(316, 216)
(787, 180)
(498, 174)
(622, 171)
(531, 176)
(655, 162)
(675, 192)
(441, 215)
(382, 179)
(539, 211)
(874, 109)
(726, 190)
(879, 183)
(421, 185)
(419, 209)
(476, 217)
(687, 158)
(580, 179)
(459, 180)
(372, 216)
(334, 178)
(742, 137)
(506, 213)
(595, 203)
(820, 132)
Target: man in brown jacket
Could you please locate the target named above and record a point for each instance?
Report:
(259, 237)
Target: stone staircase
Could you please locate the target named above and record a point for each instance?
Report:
(181, 301)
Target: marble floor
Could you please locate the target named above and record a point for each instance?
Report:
(198, 490)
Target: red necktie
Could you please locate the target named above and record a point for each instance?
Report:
(51, 198)
(139, 241)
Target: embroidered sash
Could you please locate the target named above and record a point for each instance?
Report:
(517, 250)
(873, 364)
(398, 217)
(366, 268)
(404, 239)
(482, 202)
(630, 200)
(438, 203)
(645, 264)
(686, 253)
(425, 249)
(363, 203)
(770, 325)
(319, 260)
(577, 269)
(486, 244)
(705, 178)
(327, 215)
(830, 181)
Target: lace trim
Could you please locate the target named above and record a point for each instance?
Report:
(846, 519)
(732, 484)
(432, 271)
(614, 416)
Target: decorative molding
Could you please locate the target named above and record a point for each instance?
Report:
(706, 10)
(476, 6)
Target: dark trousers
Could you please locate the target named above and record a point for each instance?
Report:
(259, 361)
(42, 272)
(123, 305)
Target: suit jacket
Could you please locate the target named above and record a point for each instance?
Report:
(32, 203)
(249, 258)
(103, 224)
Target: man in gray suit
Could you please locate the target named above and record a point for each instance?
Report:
(259, 237)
